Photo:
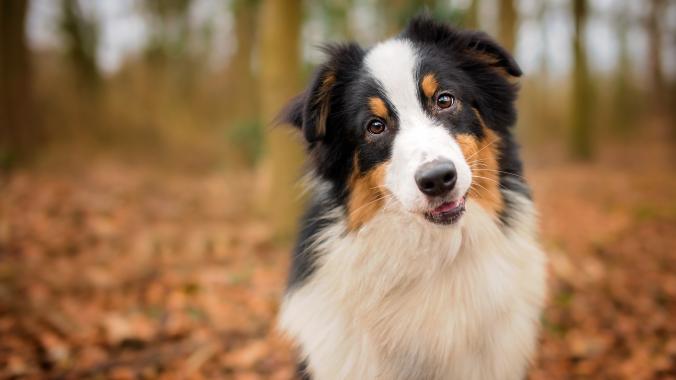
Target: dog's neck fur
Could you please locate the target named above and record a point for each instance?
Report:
(401, 298)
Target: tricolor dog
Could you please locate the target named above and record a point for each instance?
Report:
(418, 256)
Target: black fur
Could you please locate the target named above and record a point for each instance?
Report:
(302, 372)
(314, 221)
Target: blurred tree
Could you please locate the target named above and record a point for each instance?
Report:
(581, 129)
(507, 22)
(541, 107)
(541, 14)
(19, 130)
(241, 100)
(624, 107)
(657, 9)
(279, 52)
(81, 36)
(170, 60)
(171, 51)
(336, 14)
(169, 29)
(399, 12)
(241, 77)
(471, 17)
(394, 15)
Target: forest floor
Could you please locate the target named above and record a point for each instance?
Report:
(126, 271)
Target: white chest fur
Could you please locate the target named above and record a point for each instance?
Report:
(404, 299)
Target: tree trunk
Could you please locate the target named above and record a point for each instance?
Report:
(243, 88)
(581, 137)
(279, 51)
(18, 127)
(623, 96)
(81, 37)
(508, 19)
(655, 54)
(540, 103)
(337, 17)
(471, 17)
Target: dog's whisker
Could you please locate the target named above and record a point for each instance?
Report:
(478, 166)
(477, 184)
(486, 178)
(383, 197)
(477, 162)
(501, 172)
(485, 146)
(473, 191)
(490, 179)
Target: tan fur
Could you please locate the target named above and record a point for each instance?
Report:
(366, 196)
(378, 108)
(482, 156)
(323, 99)
(494, 63)
(429, 85)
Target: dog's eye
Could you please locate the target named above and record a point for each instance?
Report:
(376, 126)
(445, 100)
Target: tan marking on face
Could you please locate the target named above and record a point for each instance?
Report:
(482, 157)
(367, 194)
(378, 107)
(323, 99)
(494, 63)
(429, 85)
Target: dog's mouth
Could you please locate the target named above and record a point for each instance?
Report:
(447, 213)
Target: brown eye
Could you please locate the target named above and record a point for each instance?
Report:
(445, 100)
(376, 126)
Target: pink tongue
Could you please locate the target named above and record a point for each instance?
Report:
(448, 206)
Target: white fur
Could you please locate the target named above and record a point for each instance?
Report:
(403, 298)
(406, 299)
(420, 139)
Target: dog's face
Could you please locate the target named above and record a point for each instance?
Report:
(418, 123)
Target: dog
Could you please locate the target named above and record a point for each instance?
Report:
(418, 255)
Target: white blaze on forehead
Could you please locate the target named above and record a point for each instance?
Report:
(394, 64)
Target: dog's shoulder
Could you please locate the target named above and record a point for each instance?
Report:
(318, 215)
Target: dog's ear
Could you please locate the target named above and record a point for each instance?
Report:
(292, 113)
(310, 110)
(483, 48)
(318, 103)
(474, 45)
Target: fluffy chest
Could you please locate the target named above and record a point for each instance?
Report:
(428, 303)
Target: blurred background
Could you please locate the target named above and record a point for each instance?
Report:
(147, 206)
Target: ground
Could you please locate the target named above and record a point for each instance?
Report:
(121, 270)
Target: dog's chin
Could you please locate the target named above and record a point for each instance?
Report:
(447, 213)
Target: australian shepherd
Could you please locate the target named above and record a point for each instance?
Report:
(418, 256)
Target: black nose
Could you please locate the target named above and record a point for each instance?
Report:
(436, 178)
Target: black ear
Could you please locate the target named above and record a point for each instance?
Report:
(310, 111)
(473, 45)
(482, 47)
(292, 113)
(318, 103)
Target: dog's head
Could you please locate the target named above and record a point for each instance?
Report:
(418, 122)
